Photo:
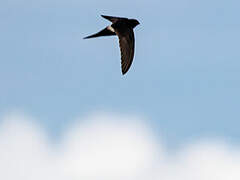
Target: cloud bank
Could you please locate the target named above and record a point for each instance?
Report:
(104, 147)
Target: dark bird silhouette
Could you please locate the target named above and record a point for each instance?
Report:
(123, 28)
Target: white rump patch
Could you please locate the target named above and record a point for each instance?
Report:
(110, 28)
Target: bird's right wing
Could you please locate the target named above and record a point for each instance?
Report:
(112, 18)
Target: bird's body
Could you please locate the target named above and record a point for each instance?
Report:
(123, 28)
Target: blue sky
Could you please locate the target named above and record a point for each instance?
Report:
(67, 112)
(185, 78)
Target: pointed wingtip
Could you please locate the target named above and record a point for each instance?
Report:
(110, 18)
(104, 16)
(88, 37)
(124, 72)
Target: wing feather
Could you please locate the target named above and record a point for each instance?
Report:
(113, 19)
(126, 43)
(104, 32)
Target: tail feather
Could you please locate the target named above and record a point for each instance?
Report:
(104, 32)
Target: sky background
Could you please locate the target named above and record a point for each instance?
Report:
(184, 81)
(66, 112)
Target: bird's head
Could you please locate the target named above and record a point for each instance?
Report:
(134, 22)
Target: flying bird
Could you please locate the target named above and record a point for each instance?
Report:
(123, 28)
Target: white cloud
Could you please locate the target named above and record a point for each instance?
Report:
(107, 147)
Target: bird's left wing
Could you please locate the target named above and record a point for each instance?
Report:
(126, 43)
(105, 32)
